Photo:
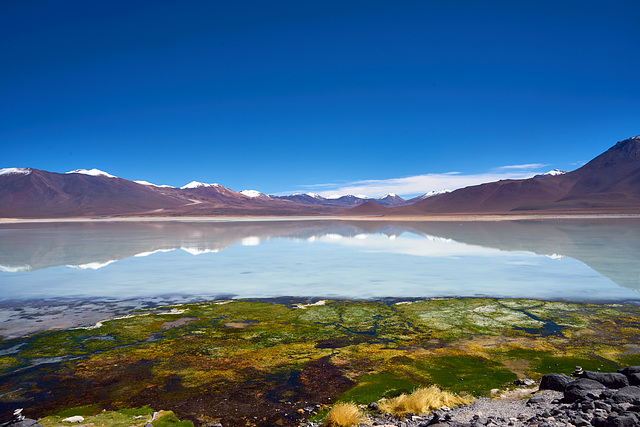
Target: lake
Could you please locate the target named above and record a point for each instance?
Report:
(59, 275)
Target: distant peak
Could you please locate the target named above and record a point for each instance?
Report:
(15, 171)
(635, 137)
(390, 195)
(554, 172)
(197, 184)
(252, 193)
(92, 172)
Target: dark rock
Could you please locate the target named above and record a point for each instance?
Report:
(535, 399)
(629, 370)
(602, 405)
(630, 394)
(598, 422)
(555, 382)
(609, 380)
(374, 406)
(580, 388)
(619, 421)
(618, 408)
(634, 379)
(580, 422)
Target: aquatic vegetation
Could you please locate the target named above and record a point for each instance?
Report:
(125, 417)
(262, 361)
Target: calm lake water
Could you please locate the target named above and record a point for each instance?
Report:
(65, 274)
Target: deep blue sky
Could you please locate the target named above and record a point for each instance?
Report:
(281, 96)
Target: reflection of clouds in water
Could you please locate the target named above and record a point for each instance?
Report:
(529, 263)
(250, 241)
(424, 246)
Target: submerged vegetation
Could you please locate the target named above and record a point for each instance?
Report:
(274, 363)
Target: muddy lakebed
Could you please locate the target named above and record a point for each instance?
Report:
(269, 323)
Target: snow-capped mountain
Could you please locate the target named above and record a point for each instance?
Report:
(152, 185)
(15, 171)
(554, 172)
(197, 184)
(92, 172)
(607, 183)
(254, 194)
(427, 195)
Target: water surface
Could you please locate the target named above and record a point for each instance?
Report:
(58, 275)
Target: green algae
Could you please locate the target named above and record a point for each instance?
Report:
(186, 352)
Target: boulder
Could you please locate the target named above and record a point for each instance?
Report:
(555, 382)
(634, 379)
(629, 370)
(629, 394)
(608, 379)
(620, 421)
(582, 389)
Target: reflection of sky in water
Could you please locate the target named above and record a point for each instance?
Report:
(359, 265)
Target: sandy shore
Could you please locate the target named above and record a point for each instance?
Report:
(438, 218)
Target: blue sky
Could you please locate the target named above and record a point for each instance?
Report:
(323, 96)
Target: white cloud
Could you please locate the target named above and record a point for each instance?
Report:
(528, 166)
(421, 184)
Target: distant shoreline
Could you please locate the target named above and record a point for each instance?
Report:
(472, 217)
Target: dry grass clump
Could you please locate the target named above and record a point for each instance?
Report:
(423, 401)
(344, 415)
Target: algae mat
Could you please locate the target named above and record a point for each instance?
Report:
(277, 362)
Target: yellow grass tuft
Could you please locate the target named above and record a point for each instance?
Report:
(423, 401)
(344, 415)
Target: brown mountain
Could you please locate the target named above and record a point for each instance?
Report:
(367, 208)
(34, 193)
(610, 182)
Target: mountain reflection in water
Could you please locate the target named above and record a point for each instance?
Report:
(98, 269)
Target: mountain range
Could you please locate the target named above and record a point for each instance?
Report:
(610, 183)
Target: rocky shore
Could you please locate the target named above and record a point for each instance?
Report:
(587, 399)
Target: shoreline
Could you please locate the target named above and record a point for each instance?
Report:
(412, 218)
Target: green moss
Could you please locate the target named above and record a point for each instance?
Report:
(476, 375)
(461, 344)
(373, 387)
(80, 410)
(132, 412)
(170, 420)
(546, 364)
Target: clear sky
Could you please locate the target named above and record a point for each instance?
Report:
(324, 96)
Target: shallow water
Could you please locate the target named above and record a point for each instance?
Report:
(59, 275)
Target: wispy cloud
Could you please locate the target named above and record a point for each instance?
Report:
(421, 184)
(528, 166)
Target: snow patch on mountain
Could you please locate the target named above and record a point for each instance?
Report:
(554, 172)
(151, 184)
(197, 184)
(92, 172)
(252, 193)
(15, 171)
